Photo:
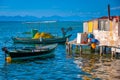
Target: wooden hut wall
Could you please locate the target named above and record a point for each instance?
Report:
(104, 24)
(100, 24)
(95, 25)
(85, 27)
(110, 38)
(111, 25)
(114, 23)
(107, 25)
(119, 29)
(108, 33)
(90, 26)
(118, 25)
(106, 37)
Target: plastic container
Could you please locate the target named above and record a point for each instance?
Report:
(94, 40)
(79, 35)
(90, 35)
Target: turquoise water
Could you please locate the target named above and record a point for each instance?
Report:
(58, 67)
(89, 66)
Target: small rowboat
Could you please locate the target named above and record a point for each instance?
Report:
(29, 52)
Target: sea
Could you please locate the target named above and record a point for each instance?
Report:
(60, 66)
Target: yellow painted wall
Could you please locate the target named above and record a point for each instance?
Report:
(90, 26)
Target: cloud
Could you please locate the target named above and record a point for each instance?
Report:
(115, 8)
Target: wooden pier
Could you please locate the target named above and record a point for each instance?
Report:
(102, 48)
(71, 43)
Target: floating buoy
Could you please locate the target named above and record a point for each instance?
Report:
(8, 59)
(93, 45)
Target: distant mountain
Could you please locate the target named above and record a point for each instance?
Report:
(18, 18)
(32, 18)
(67, 18)
(51, 18)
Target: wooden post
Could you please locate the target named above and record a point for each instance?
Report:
(101, 50)
(67, 40)
(105, 49)
(80, 50)
(67, 45)
(115, 53)
(112, 54)
(68, 48)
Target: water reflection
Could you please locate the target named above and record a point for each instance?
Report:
(98, 68)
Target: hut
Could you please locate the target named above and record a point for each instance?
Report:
(105, 30)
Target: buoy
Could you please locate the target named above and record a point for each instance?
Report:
(8, 59)
(93, 45)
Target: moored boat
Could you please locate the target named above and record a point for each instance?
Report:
(30, 40)
(29, 52)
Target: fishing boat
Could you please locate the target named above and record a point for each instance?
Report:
(29, 52)
(43, 37)
(29, 40)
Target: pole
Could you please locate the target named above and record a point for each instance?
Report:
(109, 11)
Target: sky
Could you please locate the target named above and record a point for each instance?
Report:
(39, 8)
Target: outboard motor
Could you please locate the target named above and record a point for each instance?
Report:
(65, 30)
